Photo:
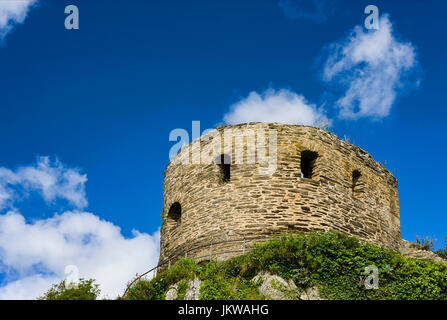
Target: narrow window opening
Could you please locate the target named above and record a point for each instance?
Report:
(224, 162)
(308, 163)
(357, 188)
(175, 212)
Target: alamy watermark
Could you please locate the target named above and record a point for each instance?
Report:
(372, 279)
(72, 20)
(372, 20)
(72, 278)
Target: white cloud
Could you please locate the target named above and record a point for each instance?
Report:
(52, 179)
(371, 66)
(13, 12)
(283, 106)
(34, 254)
(27, 288)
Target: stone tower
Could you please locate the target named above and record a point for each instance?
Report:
(319, 182)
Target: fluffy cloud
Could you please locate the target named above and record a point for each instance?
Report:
(13, 12)
(283, 106)
(34, 254)
(371, 66)
(52, 179)
(315, 10)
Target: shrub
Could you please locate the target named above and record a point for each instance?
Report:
(84, 290)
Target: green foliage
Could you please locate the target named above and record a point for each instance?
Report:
(222, 180)
(334, 261)
(324, 125)
(84, 290)
(225, 282)
(182, 287)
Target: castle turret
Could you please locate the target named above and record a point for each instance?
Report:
(269, 179)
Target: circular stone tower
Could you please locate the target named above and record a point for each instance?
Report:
(264, 179)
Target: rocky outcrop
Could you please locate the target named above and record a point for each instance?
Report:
(171, 294)
(274, 287)
(192, 291)
(312, 293)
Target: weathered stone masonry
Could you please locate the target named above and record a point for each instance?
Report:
(347, 191)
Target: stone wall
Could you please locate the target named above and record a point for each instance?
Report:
(204, 207)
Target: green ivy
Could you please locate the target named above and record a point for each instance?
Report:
(334, 261)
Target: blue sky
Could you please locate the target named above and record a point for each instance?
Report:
(103, 99)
